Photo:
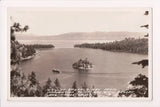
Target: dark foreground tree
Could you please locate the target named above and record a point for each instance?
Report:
(57, 83)
(47, 87)
(138, 87)
(74, 90)
(16, 27)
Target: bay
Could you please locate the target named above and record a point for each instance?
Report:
(110, 70)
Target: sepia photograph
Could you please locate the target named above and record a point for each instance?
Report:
(80, 52)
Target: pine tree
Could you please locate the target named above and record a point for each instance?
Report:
(46, 87)
(74, 91)
(57, 83)
(32, 78)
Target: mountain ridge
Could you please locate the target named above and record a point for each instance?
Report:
(84, 36)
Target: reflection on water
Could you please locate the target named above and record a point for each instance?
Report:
(111, 69)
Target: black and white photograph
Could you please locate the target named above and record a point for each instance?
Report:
(80, 52)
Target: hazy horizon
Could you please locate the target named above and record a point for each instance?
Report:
(84, 36)
(55, 21)
(31, 34)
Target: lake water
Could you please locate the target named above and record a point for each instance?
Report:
(111, 69)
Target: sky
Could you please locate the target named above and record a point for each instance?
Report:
(54, 21)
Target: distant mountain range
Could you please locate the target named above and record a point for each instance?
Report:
(83, 36)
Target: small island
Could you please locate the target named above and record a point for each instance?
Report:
(82, 64)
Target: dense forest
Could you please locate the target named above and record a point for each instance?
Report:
(39, 46)
(22, 86)
(130, 45)
(19, 51)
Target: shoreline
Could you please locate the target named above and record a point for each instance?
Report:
(121, 51)
(29, 57)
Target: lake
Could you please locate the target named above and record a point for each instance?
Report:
(110, 70)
